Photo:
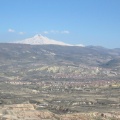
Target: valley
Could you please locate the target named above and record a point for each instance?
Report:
(52, 82)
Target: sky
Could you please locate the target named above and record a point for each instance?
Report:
(87, 22)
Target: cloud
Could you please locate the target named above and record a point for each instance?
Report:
(56, 32)
(11, 30)
(21, 33)
(46, 32)
(65, 32)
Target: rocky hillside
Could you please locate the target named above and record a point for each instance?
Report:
(29, 112)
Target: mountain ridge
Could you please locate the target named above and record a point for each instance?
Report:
(54, 60)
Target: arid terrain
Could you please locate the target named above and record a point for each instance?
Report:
(49, 82)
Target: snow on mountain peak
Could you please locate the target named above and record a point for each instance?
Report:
(40, 40)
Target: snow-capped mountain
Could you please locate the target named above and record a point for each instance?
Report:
(40, 40)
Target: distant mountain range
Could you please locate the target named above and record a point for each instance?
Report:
(26, 61)
(42, 40)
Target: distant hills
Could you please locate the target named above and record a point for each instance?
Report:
(25, 61)
(114, 63)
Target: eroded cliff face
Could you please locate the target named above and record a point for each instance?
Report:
(29, 112)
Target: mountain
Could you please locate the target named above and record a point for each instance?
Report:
(41, 40)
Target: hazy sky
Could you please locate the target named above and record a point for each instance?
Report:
(88, 22)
